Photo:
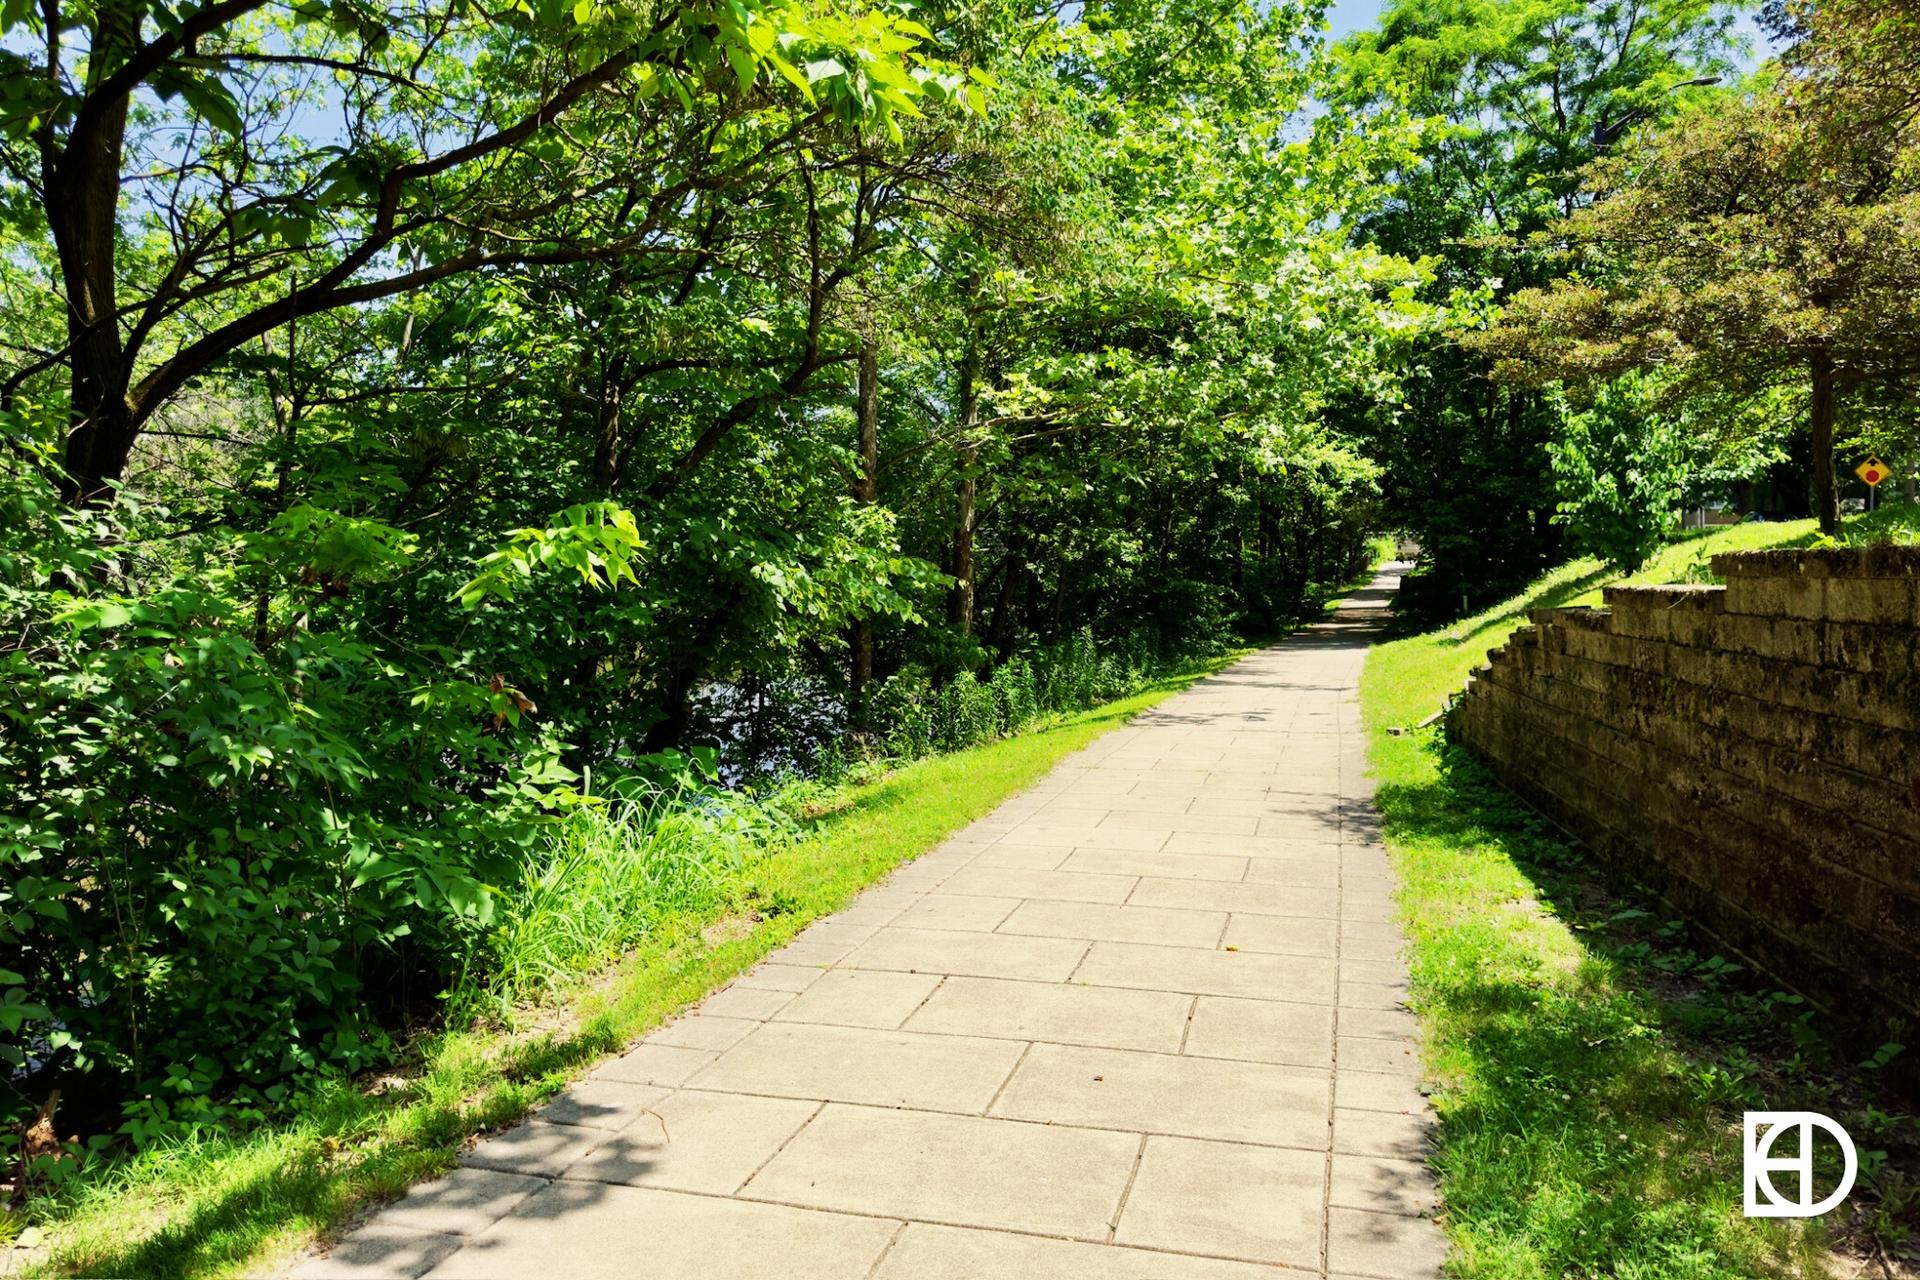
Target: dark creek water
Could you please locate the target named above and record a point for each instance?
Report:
(770, 728)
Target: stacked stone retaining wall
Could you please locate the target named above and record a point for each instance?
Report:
(1753, 749)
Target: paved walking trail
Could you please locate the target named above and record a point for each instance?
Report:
(1140, 1023)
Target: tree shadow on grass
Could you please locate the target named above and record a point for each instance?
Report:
(330, 1168)
(1584, 1128)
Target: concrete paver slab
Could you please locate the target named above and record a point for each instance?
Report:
(1372, 1091)
(1281, 935)
(653, 1063)
(1259, 1204)
(1262, 1031)
(1057, 1013)
(1313, 871)
(957, 1253)
(379, 1252)
(958, 1170)
(705, 1031)
(1011, 882)
(465, 1202)
(861, 998)
(1371, 995)
(974, 915)
(1122, 839)
(1400, 1134)
(602, 1104)
(1246, 898)
(536, 1149)
(696, 1141)
(780, 977)
(1099, 921)
(1159, 1093)
(980, 955)
(1391, 1246)
(1380, 1024)
(1389, 1057)
(855, 1064)
(1212, 973)
(1172, 866)
(643, 1234)
(1381, 1185)
(1024, 857)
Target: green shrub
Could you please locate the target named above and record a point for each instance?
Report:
(242, 835)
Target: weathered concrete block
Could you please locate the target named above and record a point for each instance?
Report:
(1663, 612)
(1786, 638)
(1885, 560)
(1796, 597)
(1891, 602)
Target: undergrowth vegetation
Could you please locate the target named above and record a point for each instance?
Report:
(1592, 1054)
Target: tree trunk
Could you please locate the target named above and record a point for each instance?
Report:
(83, 206)
(1826, 499)
(960, 605)
(866, 489)
(607, 425)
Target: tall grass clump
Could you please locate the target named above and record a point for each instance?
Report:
(613, 871)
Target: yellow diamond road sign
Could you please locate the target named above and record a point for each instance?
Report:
(1873, 471)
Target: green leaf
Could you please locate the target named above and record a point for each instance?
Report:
(213, 102)
(744, 67)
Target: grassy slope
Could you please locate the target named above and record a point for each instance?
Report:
(1577, 1136)
(234, 1208)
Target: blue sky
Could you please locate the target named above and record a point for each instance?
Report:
(1350, 15)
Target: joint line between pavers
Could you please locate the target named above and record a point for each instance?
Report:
(1070, 981)
(940, 1033)
(1186, 1028)
(1081, 1125)
(988, 1109)
(1010, 1231)
(1333, 1077)
(1126, 1192)
(961, 893)
(900, 1025)
(797, 1131)
(892, 1240)
(1081, 963)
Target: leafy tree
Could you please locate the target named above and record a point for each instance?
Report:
(489, 401)
(1752, 242)
(443, 153)
(1633, 453)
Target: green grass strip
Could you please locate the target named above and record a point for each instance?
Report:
(1578, 1134)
